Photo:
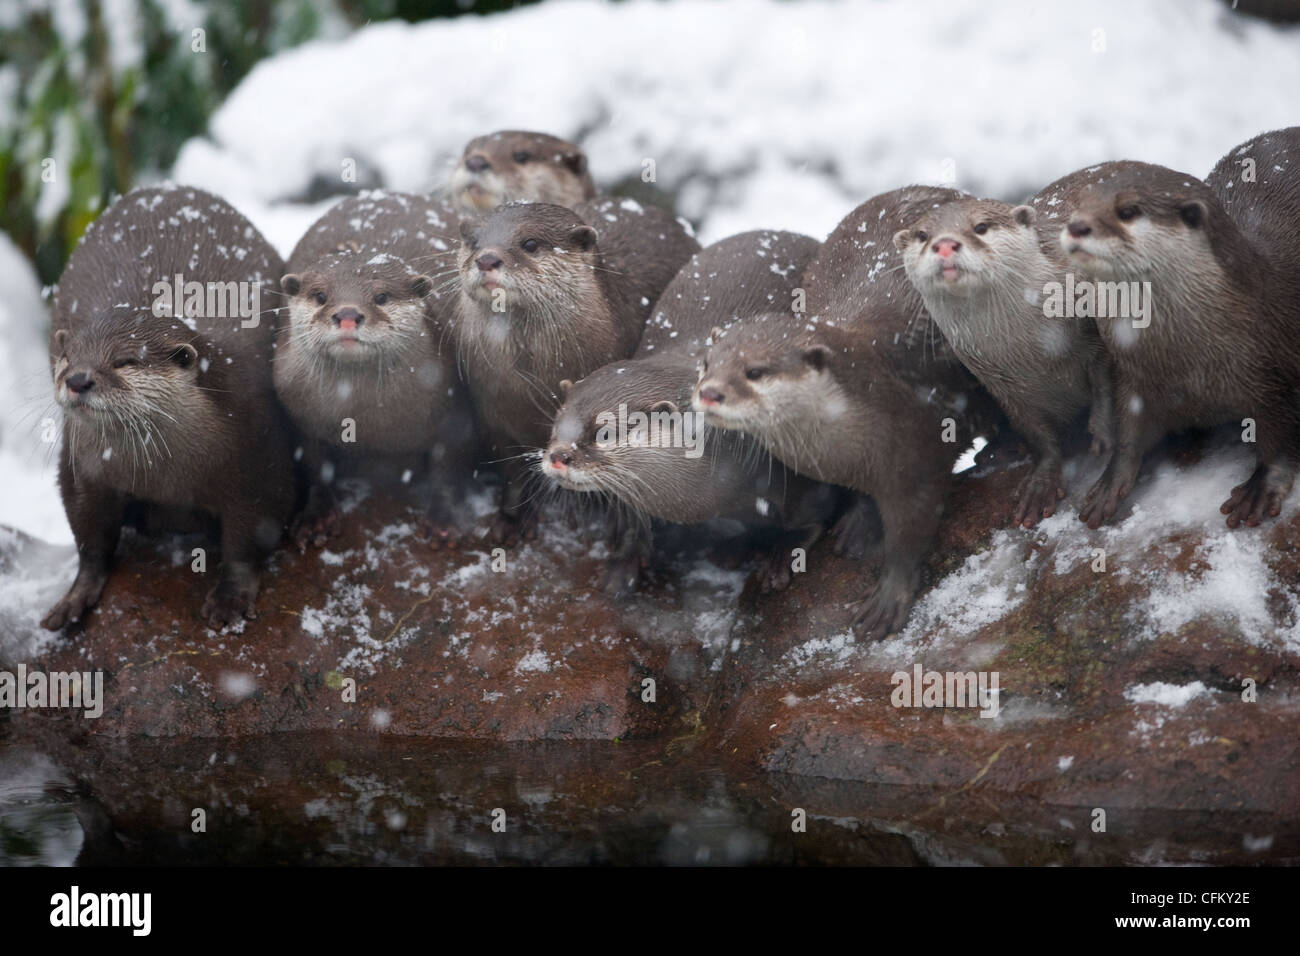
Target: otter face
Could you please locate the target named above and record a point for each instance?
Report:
(965, 245)
(1128, 231)
(123, 370)
(620, 432)
(513, 166)
(527, 255)
(353, 311)
(760, 379)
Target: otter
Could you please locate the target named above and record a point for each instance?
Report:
(513, 166)
(1216, 342)
(543, 298)
(666, 468)
(983, 268)
(363, 363)
(166, 406)
(863, 393)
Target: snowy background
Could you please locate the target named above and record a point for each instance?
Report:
(756, 113)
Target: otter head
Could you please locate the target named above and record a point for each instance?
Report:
(624, 430)
(513, 165)
(354, 309)
(535, 256)
(965, 245)
(1141, 221)
(127, 369)
(768, 375)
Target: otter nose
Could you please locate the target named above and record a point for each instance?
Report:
(946, 247)
(80, 383)
(348, 318)
(560, 460)
(711, 396)
(488, 261)
(477, 163)
(1078, 229)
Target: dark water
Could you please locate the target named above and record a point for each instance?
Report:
(326, 799)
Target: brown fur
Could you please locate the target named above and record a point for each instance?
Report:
(381, 256)
(568, 308)
(1043, 371)
(1220, 346)
(857, 394)
(188, 419)
(732, 477)
(518, 166)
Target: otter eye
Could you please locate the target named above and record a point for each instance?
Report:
(320, 298)
(1129, 212)
(754, 374)
(124, 362)
(981, 228)
(522, 157)
(530, 245)
(381, 298)
(922, 237)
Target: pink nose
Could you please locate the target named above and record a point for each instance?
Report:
(560, 461)
(946, 247)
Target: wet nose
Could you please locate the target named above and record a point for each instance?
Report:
(487, 262)
(1078, 229)
(560, 460)
(80, 383)
(476, 164)
(711, 396)
(348, 318)
(946, 247)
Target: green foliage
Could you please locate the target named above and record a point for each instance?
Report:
(87, 107)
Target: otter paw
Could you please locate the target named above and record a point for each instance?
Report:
(775, 574)
(506, 530)
(882, 610)
(1037, 496)
(621, 576)
(1258, 498)
(314, 528)
(855, 531)
(81, 597)
(1102, 500)
(441, 532)
(230, 602)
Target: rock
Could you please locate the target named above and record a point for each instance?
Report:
(1124, 690)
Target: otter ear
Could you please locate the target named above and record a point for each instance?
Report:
(577, 162)
(60, 339)
(185, 355)
(902, 238)
(817, 356)
(664, 406)
(584, 237)
(1193, 213)
(291, 283)
(1025, 215)
(565, 386)
(421, 286)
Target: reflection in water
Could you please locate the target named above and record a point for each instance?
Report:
(352, 799)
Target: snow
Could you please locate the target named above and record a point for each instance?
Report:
(1166, 695)
(758, 114)
(761, 113)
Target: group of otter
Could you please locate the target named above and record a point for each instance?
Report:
(522, 320)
